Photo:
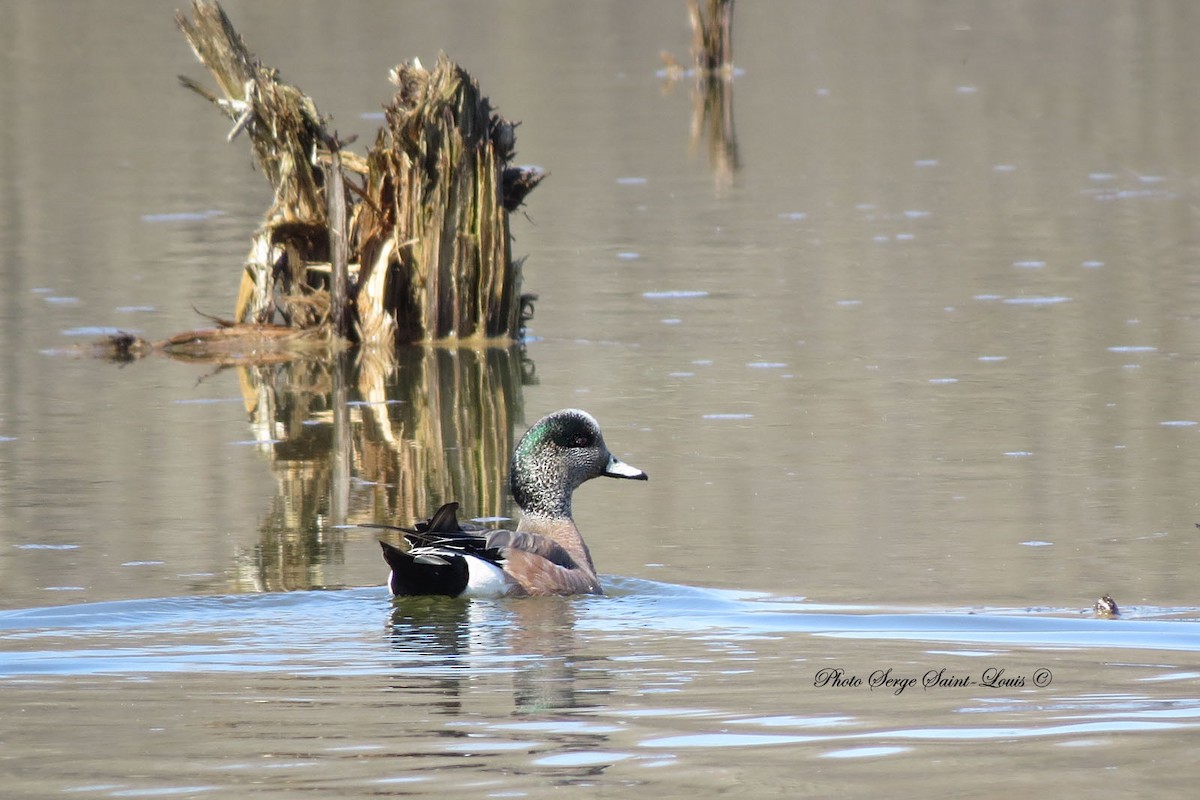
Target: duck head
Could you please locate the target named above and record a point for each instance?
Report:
(555, 456)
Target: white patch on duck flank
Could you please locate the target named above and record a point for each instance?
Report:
(485, 579)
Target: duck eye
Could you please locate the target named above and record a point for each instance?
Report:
(582, 440)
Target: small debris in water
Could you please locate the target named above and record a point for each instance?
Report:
(1037, 543)
(1019, 453)
(993, 358)
(1178, 423)
(1105, 606)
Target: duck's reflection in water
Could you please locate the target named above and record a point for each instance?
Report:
(523, 647)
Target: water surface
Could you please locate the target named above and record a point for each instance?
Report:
(909, 350)
(660, 686)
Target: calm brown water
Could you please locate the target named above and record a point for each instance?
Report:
(912, 363)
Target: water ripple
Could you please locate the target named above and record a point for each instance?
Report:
(336, 632)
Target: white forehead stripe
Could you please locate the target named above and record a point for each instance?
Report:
(579, 412)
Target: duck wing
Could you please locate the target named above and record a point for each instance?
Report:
(446, 557)
(541, 566)
(533, 544)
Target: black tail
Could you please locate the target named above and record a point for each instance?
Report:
(424, 574)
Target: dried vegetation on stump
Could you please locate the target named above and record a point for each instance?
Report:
(409, 244)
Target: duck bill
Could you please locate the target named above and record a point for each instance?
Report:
(619, 469)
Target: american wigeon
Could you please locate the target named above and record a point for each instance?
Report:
(545, 555)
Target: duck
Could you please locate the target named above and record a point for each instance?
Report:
(545, 554)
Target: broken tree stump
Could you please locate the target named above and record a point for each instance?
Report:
(420, 225)
(433, 231)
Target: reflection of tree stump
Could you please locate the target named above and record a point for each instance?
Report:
(427, 251)
(414, 428)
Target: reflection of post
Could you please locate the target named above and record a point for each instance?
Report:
(712, 98)
(339, 481)
(712, 91)
(712, 120)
